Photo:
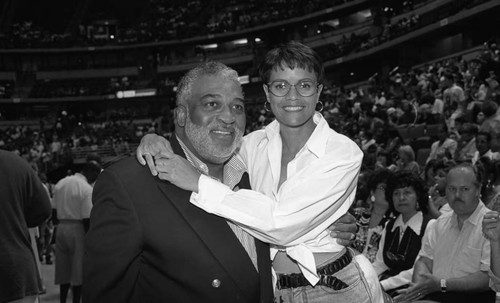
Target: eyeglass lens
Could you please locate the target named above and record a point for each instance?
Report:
(305, 88)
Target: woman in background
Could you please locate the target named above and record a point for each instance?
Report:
(402, 236)
(406, 160)
(371, 220)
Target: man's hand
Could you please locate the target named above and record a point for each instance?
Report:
(344, 229)
(151, 148)
(491, 226)
(427, 285)
(178, 171)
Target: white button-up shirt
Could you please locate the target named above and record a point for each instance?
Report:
(319, 188)
(457, 252)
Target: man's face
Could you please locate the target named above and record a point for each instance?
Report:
(482, 144)
(215, 120)
(462, 193)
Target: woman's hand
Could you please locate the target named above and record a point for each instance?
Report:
(178, 171)
(151, 148)
(344, 230)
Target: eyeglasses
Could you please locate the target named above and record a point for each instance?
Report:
(305, 88)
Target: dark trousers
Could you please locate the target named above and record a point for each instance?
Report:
(462, 297)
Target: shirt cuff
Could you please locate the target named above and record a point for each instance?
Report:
(210, 193)
(403, 278)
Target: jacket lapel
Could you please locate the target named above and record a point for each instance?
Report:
(263, 258)
(215, 233)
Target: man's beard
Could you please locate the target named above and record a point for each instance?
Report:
(206, 147)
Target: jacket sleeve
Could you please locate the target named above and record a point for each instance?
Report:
(37, 208)
(113, 243)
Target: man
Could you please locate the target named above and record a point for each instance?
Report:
(24, 204)
(483, 148)
(467, 143)
(491, 124)
(454, 259)
(73, 202)
(444, 147)
(148, 243)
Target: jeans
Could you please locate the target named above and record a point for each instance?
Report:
(359, 275)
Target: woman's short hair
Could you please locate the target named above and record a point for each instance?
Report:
(292, 55)
(406, 178)
(378, 176)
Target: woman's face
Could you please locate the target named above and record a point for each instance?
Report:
(403, 157)
(440, 174)
(405, 200)
(293, 110)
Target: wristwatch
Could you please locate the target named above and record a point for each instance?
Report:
(443, 285)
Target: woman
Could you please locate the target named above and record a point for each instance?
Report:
(406, 160)
(304, 175)
(402, 236)
(371, 220)
(491, 190)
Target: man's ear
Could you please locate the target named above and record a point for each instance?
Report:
(180, 115)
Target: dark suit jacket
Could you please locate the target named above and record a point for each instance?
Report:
(24, 203)
(147, 243)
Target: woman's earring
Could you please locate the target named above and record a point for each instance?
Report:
(372, 198)
(267, 107)
(320, 109)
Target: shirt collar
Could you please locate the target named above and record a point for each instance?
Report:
(81, 176)
(474, 218)
(415, 222)
(316, 143)
(233, 169)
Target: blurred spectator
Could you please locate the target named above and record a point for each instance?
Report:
(371, 219)
(406, 160)
(467, 144)
(25, 203)
(445, 147)
(483, 146)
(491, 123)
(454, 98)
(73, 201)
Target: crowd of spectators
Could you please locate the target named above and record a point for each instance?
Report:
(61, 138)
(390, 25)
(373, 116)
(173, 20)
(370, 115)
(169, 20)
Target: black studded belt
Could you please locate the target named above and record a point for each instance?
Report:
(325, 275)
